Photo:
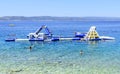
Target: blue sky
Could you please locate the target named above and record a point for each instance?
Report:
(77, 8)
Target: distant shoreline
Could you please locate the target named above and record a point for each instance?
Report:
(51, 18)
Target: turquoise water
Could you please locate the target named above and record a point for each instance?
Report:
(61, 57)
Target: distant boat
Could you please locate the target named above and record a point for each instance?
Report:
(11, 25)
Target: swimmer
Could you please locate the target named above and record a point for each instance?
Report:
(30, 47)
(81, 52)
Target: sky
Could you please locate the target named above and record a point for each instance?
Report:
(67, 8)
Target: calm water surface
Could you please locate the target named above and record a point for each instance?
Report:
(61, 57)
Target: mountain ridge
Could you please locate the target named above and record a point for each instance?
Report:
(55, 18)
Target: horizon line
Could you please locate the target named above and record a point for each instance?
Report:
(67, 16)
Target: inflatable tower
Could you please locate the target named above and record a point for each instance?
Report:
(92, 34)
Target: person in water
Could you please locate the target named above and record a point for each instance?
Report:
(30, 47)
(81, 52)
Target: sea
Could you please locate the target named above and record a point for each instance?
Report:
(60, 57)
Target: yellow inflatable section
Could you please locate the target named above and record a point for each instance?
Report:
(92, 33)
